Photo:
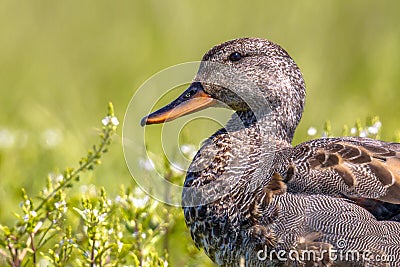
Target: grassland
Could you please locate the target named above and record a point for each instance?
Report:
(62, 61)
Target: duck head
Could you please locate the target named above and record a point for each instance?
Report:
(247, 75)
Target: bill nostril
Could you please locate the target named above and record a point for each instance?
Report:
(190, 93)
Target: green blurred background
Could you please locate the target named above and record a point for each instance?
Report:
(62, 61)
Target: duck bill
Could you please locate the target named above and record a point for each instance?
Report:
(192, 100)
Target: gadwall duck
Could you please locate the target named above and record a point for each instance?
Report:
(251, 199)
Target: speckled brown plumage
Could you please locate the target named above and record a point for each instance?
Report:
(314, 195)
(354, 167)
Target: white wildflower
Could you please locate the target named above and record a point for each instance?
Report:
(33, 213)
(56, 177)
(107, 120)
(363, 133)
(45, 191)
(88, 189)
(120, 235)
(44, 262)
(353, 130)
(51, 138)
(102, 217)
(58, 204)
(120, 245)
(139, 202)
(62, 205)
(59, 178)
(95, 212)
(114, 121)
(378, 124)
(7, 139)
(26, 217)
(118, 199)
(143, 235)
(187, 149)
(147, 164)
(311, 131)
(373, 130)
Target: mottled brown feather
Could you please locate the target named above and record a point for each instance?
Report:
(314, 163)
(290, 173)
(384, 175)
(276, 185)
(393, 194)
(263, 198)
(331, 160)
(349, 152)
(380, 160)
(347, 175)
(356, 155)
(263, 236)
(377, 150)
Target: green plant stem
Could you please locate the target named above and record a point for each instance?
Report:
(40, 244)
(14, 257)
(75, 173)
(92, 259)
(33, 247)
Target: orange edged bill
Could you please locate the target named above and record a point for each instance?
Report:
(191, 100)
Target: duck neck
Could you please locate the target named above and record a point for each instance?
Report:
(275, 127)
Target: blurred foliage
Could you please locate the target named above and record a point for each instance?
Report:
(54, 228)
(111, 232)
(60, 61)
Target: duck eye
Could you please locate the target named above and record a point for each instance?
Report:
(235, 56)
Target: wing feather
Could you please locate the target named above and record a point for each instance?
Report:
(353, 167)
